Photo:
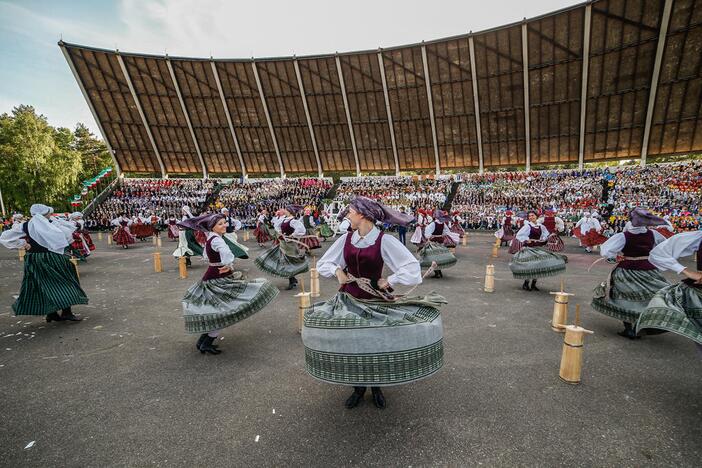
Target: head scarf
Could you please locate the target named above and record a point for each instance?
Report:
(641, 217)
(45, 233)
(375, 211)
(75, 215)
(224, 209)
(441, 216)
(186, 210)
(293, 209)
(203, 223)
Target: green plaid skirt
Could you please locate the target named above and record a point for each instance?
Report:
(237, 249)
(676, 308)
(49, 284)
(433, 252)
(192, 242)
(284, 260)
(325, 231)
(371, 342)
(629, 293)
(221, 302)
(533, 263)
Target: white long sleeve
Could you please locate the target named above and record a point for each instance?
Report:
(613, 245)
(13, 238)
(299, 228)
(666, 254)
(524, 231)
(222, 248)
(429, 230)
(405, 267)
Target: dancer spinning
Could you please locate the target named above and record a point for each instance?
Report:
(634, 281)
(678, 307)
(262, 231)
(423, 220)
(230, 237)
(588, 230)
(172, 228)
(50, 282)
(221, 298)
(555, 225)
(187, 241)
(363, 336)
(286, 259)
(122, 235)
(506, 233)
(310, 238)
(82, 243)
(532, 262)
(436, 249)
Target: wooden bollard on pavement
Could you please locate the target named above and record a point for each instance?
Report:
(314, 282)
(22, 252)
(246, 235)
(154, 240)
(494, 250)
(74, 261)
(109, 238)
(560, 309)
(304, 305)
(158, 268)
(158, 241)
(490, 278)
(464, 240)
(572, 355)
(99, 235)
(182, 268)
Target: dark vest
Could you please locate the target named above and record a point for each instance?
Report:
(35, 247)
(438, 229)
(213, 257)
(638, 245)
(550, 223)
(286, 228)
(535, 233)
(362, 263)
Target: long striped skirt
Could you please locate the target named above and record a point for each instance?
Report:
(629, 293)
(533, 263)
(283, 260)
(357, 342)
(122, 236)
(50, 283)
(434, 252)
(676, 308)
(239, 251)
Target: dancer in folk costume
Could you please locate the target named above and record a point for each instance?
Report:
(287, 258)
(122, 235)
(18, 219)
(506, 232)
(139, 227)
(634, 281)
(344, 225)
(555, 225)
(173, 232)
(310, 238)
(324, 230)
(423, 220)
(365, 336)
(588, 230)
(155, 223)
(456, 224)
(439, 240)
(262, 231)
(532, 261)
(678, 307)
(221, 298)
(230, 237)
(187, 241)
(82, 243)
(50, 282)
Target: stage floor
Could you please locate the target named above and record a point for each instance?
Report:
(126, 386)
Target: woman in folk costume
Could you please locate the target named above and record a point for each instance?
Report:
(187, 241)
(139, 228)
(364, 336)
(423, 220)
(230, 237)
(50, 282)
(436, 249)
(634, 280)
(286, 259)
(221, 298)
(122, 235)
(506, 233)
(678, 307)
(154, 222)
(262, 232)
(588, 230)
(82, 243)
(324, 230)
(531, 261)
(310, 238)
(172, 228)
(554, 224)
(456, 225)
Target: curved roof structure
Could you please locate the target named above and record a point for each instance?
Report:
(605, 80)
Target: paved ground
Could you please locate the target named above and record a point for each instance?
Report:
(126, 387)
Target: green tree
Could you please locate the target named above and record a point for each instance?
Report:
(38, 164)
(93, 152)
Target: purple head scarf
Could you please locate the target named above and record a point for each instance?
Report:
(441, 216)
(294, 209)
(203, 223)
(375, 211)
(642, 217)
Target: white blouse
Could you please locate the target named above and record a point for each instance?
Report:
(666, 254)
(221, 247)
(404, 265)
(523, 233)
(294, 223)
(616, 243)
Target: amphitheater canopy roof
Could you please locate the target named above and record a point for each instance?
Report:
(606, 80)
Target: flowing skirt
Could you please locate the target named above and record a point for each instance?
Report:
(533, 263)
(456, 228)
(79, 247)
(555, 243)
(505, 233)
(218, 303)
(433, 252)
(122, 236)
(629, 293)
(357, 342)
(284, 260)
(676, 308)
(172, 231)
(239, 251)
(187, 245)
(261, 233)
(590, 239)
(418, 236)
(50, 283)
(325, 231)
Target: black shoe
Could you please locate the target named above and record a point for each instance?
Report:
(54, 317)
(436, 274)
(533, 286)
(292, 284)
(67, 314)
(200, 341)
(188, 262)
(628, 332)
(525, 286)
(208, 347)
(378, 398)
(356, 397)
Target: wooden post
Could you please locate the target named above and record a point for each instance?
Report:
(109, 238)
(304, 305)
(246, 235)
(99, 235)
(158, 268)
(22, 252)
(494, 250)
(464, 240)
(74, 261)
(154, 240)
(182, 268)
(158, 242)
(314, 282)
(560, 311)
(572, 355)
(489, 278)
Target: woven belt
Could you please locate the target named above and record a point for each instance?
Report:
(365, 285)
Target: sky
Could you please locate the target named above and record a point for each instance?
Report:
(33, 70)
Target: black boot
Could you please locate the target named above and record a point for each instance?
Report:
(200, 341)
(533, 286)
(207, 346)
(355, 397)
(525, 286)
(378, 398)
(628, 332)
(54, 317)
(187, 261)
(437, 274)
(292, 283)
(67, 314)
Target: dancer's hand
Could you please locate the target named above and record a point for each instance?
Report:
(27, 246)
(341, 276)
(224, 269)
(383, 284)
(693, 275)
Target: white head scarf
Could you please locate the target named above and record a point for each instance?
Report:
(187, 212)
(45, 233)
(75, 215)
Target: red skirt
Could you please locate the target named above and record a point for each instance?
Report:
(515, 246)
(446, 241)
(172, 231)
(140, 230)
(261, 234)
(555, 243)
(458, 230)
(201, 237)
(78, 246)
(312, 242)
(665, 232)
(591, 239)
(122, 236)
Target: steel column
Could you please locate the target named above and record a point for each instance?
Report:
(583, 87)
(348, 114)
(476, 103)
(268, 117)
(309, 119)
(229, 118)
(389, 112)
